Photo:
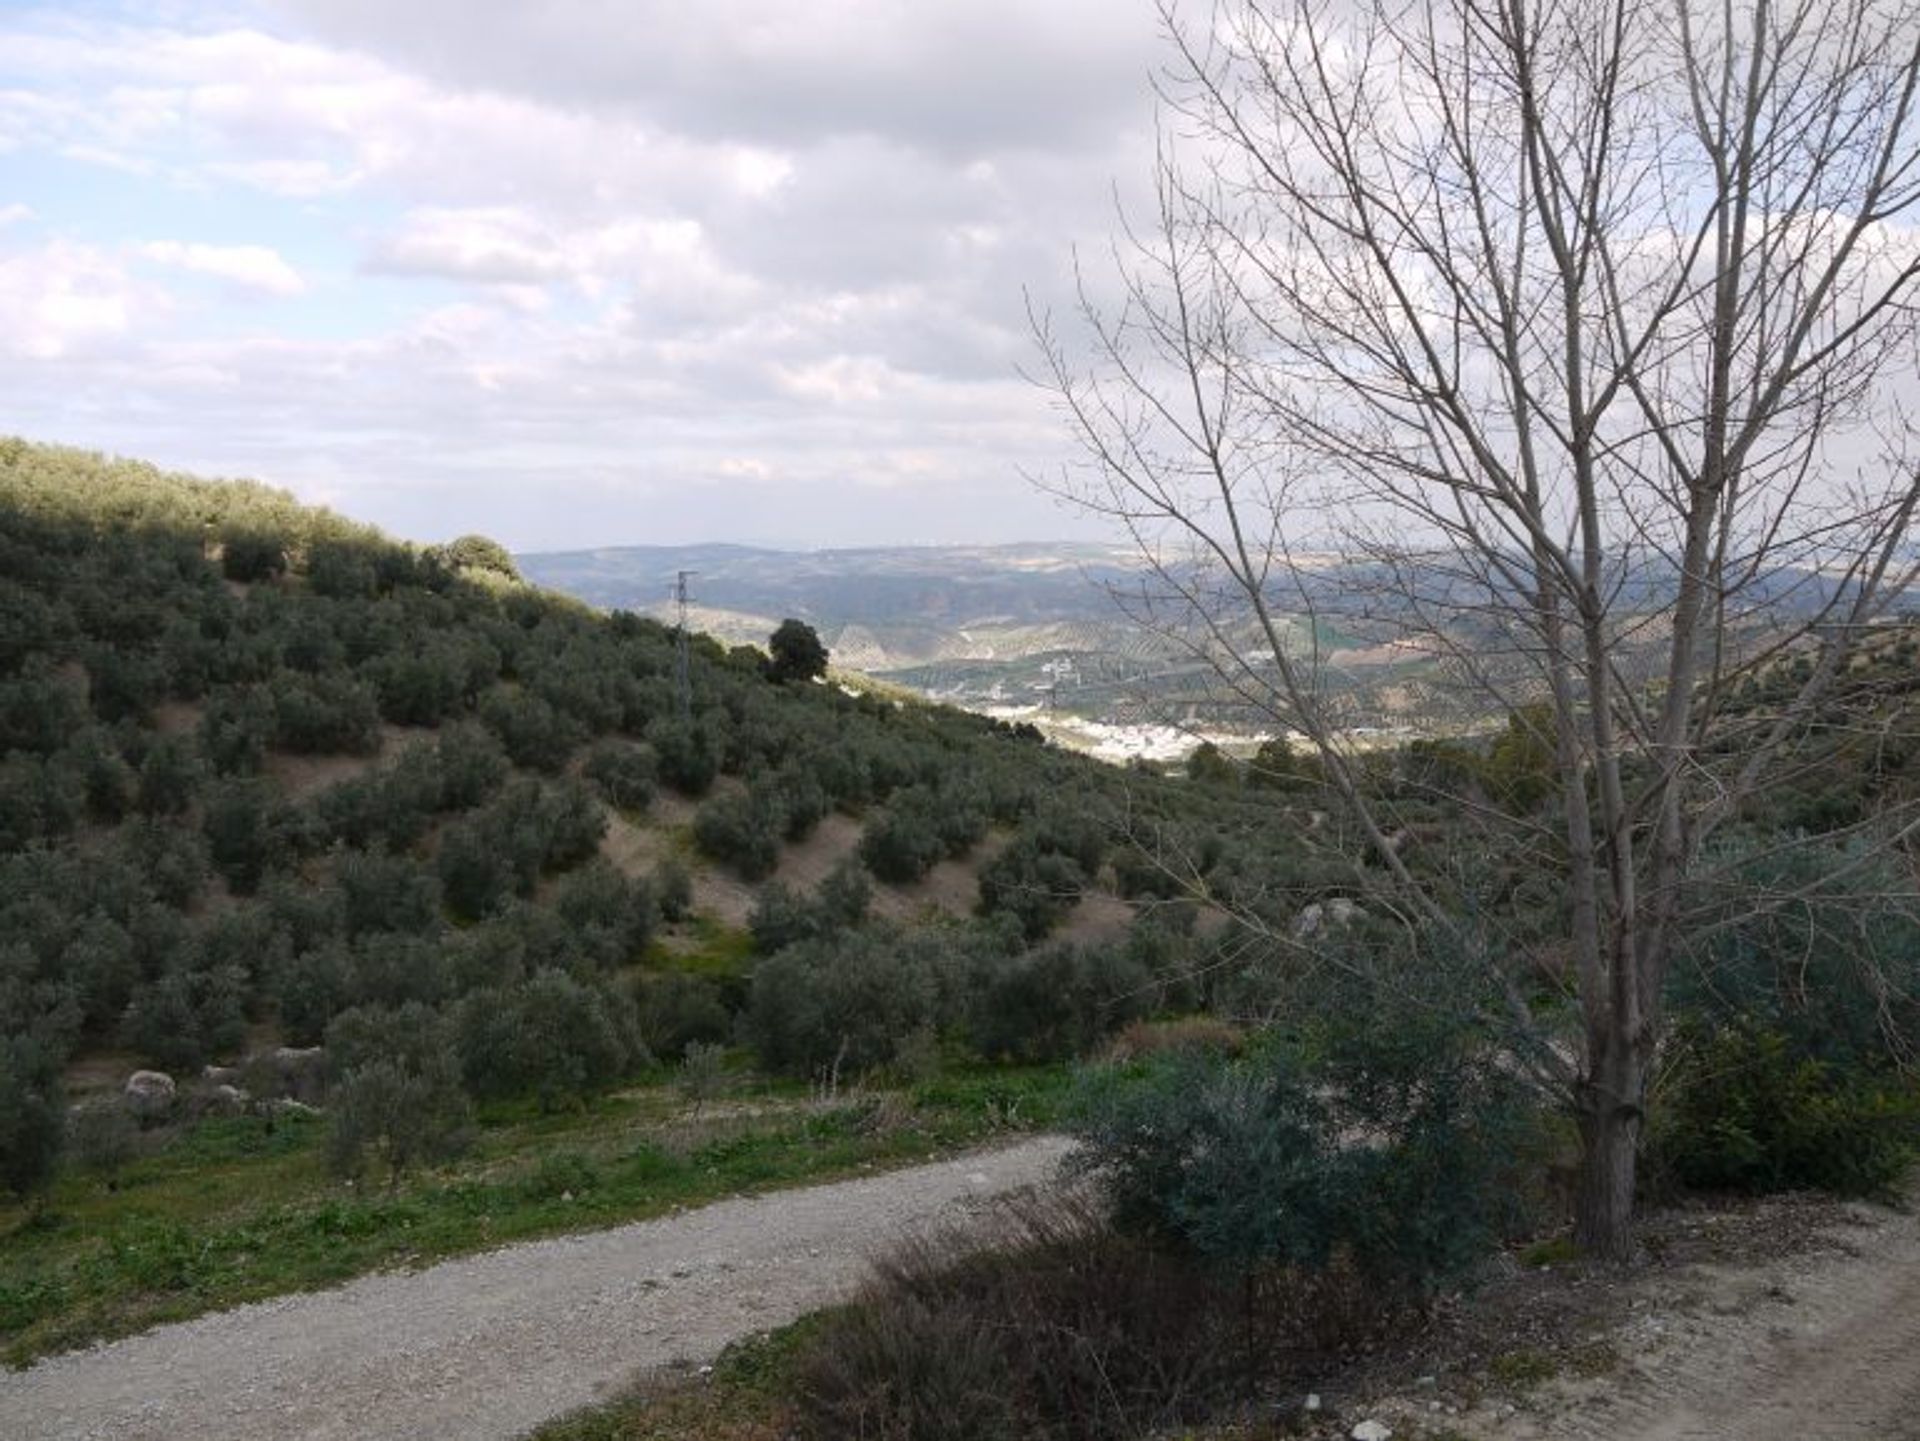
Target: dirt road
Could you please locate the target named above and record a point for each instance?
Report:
(491, 1345)
(1817, 1347)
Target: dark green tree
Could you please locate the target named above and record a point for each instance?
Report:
(795, 653)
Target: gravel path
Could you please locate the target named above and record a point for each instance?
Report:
(492, 1345)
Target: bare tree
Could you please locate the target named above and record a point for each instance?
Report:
(1565, 338)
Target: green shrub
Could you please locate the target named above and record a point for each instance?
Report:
(1035, 886)
(384, 1112)
(531, 731)
(235, 730)
(781, 918)
(676, 1010)
(841, 1005)
(1394, 1140)
(169, 777)
(739, 831)
(471, 765)
(1834, 967)
(549, 1036)
(672, 886)
(382, 892)
(252, 555)
(1742, 1108)
(324, 715)
(32, 1111)
(624, 773)
(1051, 1004)
(101, 1139)
(607, 916)
(188, 1017)
(905, 841)
(687, 756)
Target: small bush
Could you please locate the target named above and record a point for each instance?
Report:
(324, 715)
(532, 732)
(703, 1072)
(842, 1004)
(252, 555)
(672, 886)
(549, 1036)
(31, 1109)
(1393, 1140)
(1035, 886)
(1045, 1325)
(904, 843)
(1055, 1003)
(623, 773)
(739, 832)
(101, 1139)
(678, 1011)
(385, 1112)
(687, 756)
(1745, 1110)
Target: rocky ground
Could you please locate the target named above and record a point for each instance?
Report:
(1791, 1319)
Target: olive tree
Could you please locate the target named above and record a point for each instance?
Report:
(1562, 343)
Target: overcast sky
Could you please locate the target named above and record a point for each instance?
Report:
(574, 272)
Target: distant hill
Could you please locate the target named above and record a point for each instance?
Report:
(1053, 631)
(882, 609)
(1050, 630)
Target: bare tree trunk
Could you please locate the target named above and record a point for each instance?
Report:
(1610, 1110)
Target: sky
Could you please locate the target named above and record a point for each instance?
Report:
(570, 273)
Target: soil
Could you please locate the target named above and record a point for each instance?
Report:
(493, 1345)
(1791, 1319)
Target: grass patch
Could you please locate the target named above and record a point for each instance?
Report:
(231, 1212)
(1556, 1251)
(1524, 1368)
(708, 948)
(742, 1399)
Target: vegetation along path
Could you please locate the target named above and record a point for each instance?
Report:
(491, 1345)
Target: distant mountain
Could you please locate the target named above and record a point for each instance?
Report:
(1043, 626)
(1008, 626)
(880, 610)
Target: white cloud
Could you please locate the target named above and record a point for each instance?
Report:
(63, 300)
(250, 267)
(691, 270)
(15, 215)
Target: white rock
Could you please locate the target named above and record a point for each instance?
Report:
(1313, 1401)
(149, 1093)
(1372, 1431)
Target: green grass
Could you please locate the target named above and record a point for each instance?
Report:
(743, 1399)
(230, 1212)
(710, 949)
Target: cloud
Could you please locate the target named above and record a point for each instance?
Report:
(15, 215)
(957, 78)
(64, 301)
(571, 272)
(249, 267)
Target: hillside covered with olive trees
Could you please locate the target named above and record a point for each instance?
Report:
(369, 848)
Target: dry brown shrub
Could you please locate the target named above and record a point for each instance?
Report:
(1188, 1033)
